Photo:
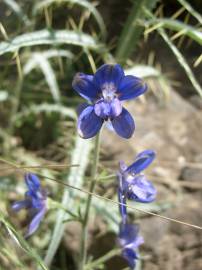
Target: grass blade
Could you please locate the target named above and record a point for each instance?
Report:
(57, 53)
(176, 25)
(31, 64)
(180, 58)
(38, 59)
(83, 3)
(132, 30)
(19, 240)
(143, 71)
(44, 37)
(49, 108)
(80, 156)
(191, 10)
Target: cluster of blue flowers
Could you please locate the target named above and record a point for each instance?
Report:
(105, 91)
(133, 185)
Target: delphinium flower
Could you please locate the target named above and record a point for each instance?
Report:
(35, 202)
(133, 184)
(129, 240)
(106, 90)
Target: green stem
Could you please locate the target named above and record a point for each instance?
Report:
(80, 155)
(83, 249)
(132, 31)
(102, 259)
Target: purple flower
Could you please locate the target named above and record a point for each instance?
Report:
(132, 182)
(105, 91)
(129, 240)
(34, 202)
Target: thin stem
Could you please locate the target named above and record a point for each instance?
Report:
(83, 250)
(103, 259)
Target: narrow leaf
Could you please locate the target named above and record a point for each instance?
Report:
(83, 3)
(80, 155)
(176, 25)
(44, 37)
(49, 108)
(19, 240)
(49, 74)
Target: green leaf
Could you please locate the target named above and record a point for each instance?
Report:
(180, 58)
(38, 59)
(191, 10)
(132, 30)
(143, 71)
(176, 25)
(57, 53)
(49, 108)
(83, 3)
(19, 240)
(81, 156)
(44, 37)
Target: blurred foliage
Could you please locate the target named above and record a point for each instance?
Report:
(42, 45)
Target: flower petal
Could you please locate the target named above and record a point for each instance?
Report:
(128, 234)
(109, 74)
(33, 182)
(85, 87)
(17, 206)
(142, 161)
(124, 124)
(131, 87)
(81, 107)
(130, 256)
(89, 123)
(142, 190)
(105, 109)
(35, 222)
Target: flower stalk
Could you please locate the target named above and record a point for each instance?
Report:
(83, 247)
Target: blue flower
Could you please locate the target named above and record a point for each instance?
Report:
(105, 91)
(132, 182)
(129, 240)
(34, 202)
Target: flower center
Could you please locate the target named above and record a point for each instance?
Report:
(109, 91)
